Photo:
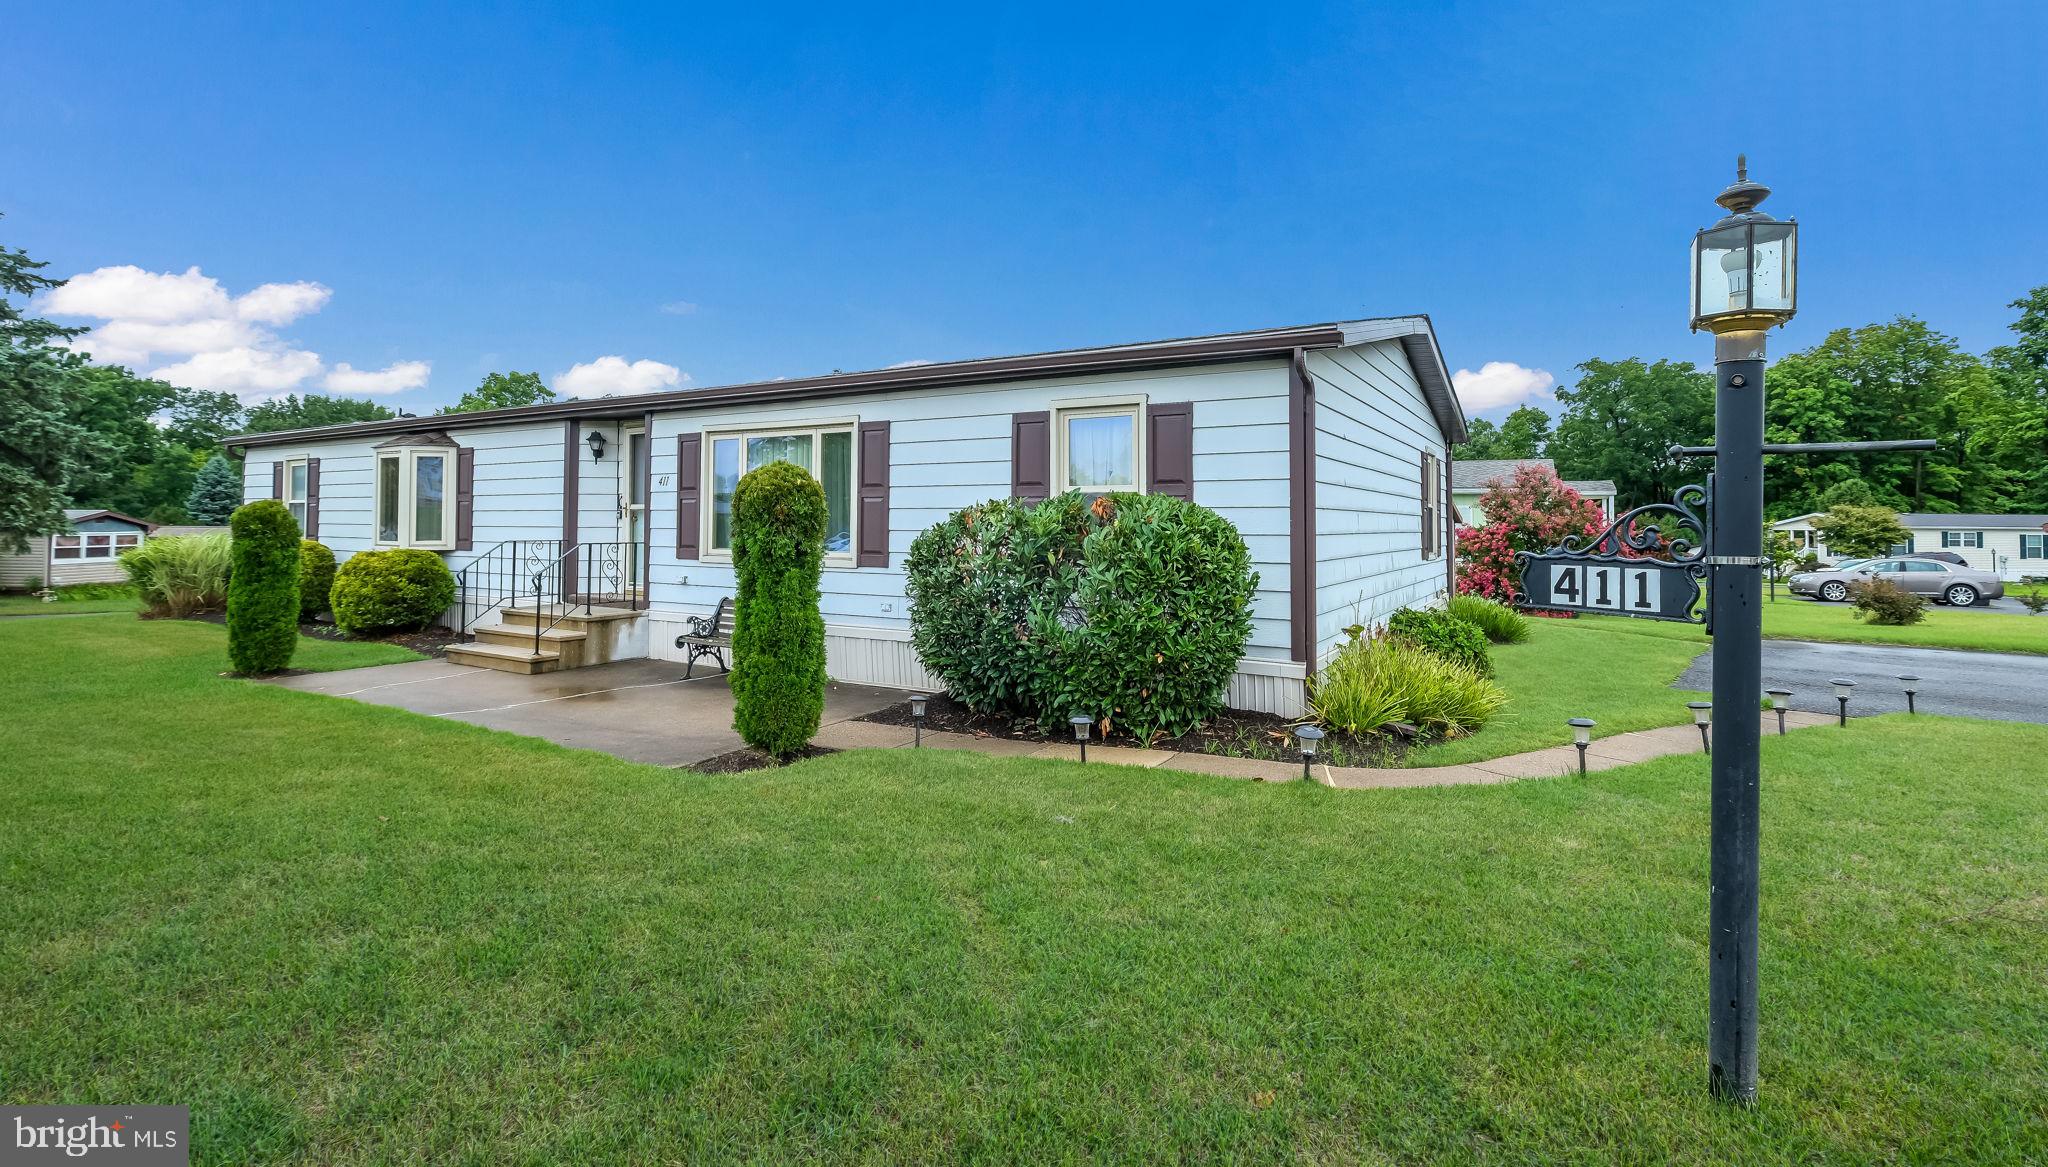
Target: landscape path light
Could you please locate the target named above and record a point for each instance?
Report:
(1912, 684)
(917, 701)
(1308, 736)
(1843, 689)
(1778, 705)
(1081, 723)
(1703, 716)
(1582, 736)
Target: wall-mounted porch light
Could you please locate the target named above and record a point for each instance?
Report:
(596, 442)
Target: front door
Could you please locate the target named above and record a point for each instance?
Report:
(633, 506)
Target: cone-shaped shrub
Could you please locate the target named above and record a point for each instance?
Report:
(316, 578)
(263, 588)
(778, 633)
(216, 492)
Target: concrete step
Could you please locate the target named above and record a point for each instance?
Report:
(571, 617)
(566, 641)
(506, 658)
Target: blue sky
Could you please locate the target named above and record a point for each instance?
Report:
(740, 192)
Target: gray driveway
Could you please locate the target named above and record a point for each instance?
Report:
(640, 710)
(1997, 686)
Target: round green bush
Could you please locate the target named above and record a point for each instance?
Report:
(778, 631)
(1133, 609)
(316, 578)
(390, 591)
(263, 587)
(1441, 634)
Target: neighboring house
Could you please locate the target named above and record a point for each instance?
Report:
(1325, 445)
(1470, 479)
(82, 554)
(2011, 545)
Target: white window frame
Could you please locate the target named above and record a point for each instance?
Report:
(1965, 539)
(299, 505)
(408, 459)
(817, 430)
(1064, 411)
(108, 551)
(2040, 545)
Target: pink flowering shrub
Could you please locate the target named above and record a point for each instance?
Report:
(1533, 510)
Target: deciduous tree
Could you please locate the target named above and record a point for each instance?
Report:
(503, 391)
(1861, 531)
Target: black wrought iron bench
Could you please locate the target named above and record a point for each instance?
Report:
(709, 636)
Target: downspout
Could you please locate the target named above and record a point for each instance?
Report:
(1450, 519)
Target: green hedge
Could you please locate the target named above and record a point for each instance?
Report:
(316, 578)
(390, 591)
(1456, 640)
(1133, 609)
(778, 635)
(263, 587)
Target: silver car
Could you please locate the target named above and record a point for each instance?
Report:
(1944, 583)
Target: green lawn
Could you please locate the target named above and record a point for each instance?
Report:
(18, 605)
(347, 934)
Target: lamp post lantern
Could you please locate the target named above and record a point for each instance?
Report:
(1844, 689)
(917, 703)
(1744, 282)
(1082, 724)
(1778, 706)
(1703, 716)
(1582, 736)
(1307, 736)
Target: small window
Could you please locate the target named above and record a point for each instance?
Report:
(1962, 538)
(124, 542)
(295, 483)
(1099, 449)
(66, 546)
(2034, 546)
(1432, 505)
(827, 453)
(412, 498)
(1901, 549)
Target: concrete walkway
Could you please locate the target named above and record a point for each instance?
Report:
(1624, 749)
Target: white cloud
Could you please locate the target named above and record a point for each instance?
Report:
(226, 342)
(395, 378)
(679, 308)
(249, 373)
(609, 375)
(1499, 383)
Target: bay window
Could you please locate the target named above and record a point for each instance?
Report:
(412, 497)
(1098, 448)
(826, 451)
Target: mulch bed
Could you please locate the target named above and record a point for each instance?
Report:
(740, 761)
(1232, 733)
(432, 641)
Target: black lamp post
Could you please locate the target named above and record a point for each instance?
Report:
(1778, 706)
(1081, 723)
(917, 701)
(1844, 689)
(596, 442)
(1582, 736)
(1744, 283)
(1307, 736)
(1912, 684)
(1703, 716)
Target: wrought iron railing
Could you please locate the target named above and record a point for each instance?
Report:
(585, 576)
(503, 576)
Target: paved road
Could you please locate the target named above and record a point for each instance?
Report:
(1998, 686)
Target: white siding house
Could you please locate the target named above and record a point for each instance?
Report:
(83, 553)
(1315, 442)
(2014, 546)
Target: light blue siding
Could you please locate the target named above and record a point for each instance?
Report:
(1372, 428)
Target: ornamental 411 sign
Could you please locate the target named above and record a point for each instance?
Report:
(1650, 562)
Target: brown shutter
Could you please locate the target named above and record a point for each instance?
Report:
(465, 498)
(277, 481)
(1170, 450)
(1031, 456)
(873, 495)
(312, 498)
(571, 467)
(689, 492)
(1422, 500)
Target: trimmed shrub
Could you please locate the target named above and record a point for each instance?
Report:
(316, 578)
(1436, 631)
(263, 588)
(1880, 601)
(390, 591)
(778, 632)
(1133, 609)
(179, 575)
(1374, 682)
(1500, 623)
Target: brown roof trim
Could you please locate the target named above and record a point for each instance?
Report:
(1273, 343)
(87, 517)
